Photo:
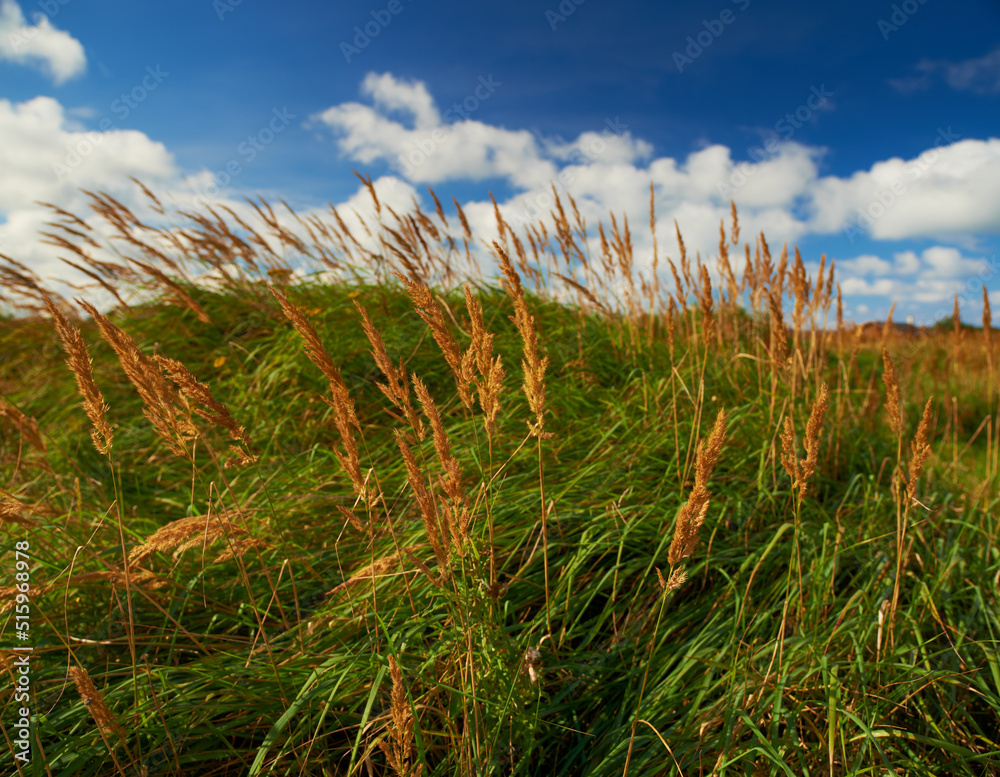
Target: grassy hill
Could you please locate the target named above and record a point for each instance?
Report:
(497, 529)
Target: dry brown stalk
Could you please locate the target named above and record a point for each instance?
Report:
(705, 300)
(209, 408)
(685, 265)
(779, 342)
(399, 753)
(920, 450)
(671, 315)
(893, 408)
(93, 699)
(397, 385)
(429, 309)
(533, 365)
(987, 319)
(457, 512)
(490, 369)
(462, 220)
(160, 402)
(80, 363)
(735, 232)
(368, 572)
(692, 514)
(26, 425)
(187, 532)
(344, 416)
(801, 470)
(437, 534)
(956, 322)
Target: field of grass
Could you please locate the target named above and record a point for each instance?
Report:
(542, 518)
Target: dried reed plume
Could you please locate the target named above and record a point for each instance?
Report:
(26, 425)
(437, 535)
(368, 572)
(705, 300)
(457, 512)
(430, 311)
(344, 416)
(489, 369)
(802, 470)
(79, 362)
(93, 699)
(397, 385)
(533, 365)
(893, 408)
(987, 318)
(193, 530)
(159, 401)
(920, 450)
(399, 751)
(209, 408)
(692, 514)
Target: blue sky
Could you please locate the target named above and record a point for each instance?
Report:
(864, 130)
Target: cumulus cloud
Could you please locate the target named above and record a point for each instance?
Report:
(56, 52)
(979, 75)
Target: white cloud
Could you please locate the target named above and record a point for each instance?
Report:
(54, 51)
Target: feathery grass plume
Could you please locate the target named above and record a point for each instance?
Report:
(987, 336)
(735, 232)
(800, 471)
(749, 279)
(490, 369)
(399, 752)
(430, 311)
(705, 300)
(436, 534)
(681, 295)
(920, 450)
(671, 315)
(533, 365)
(456, 513)
(685, 263)
(692, 514)
(956, 324)
(12, 510)
(344, 416)
(840, 313)
(368, 572)
(26, 425)
(160, 403)
(93, 699)
(185, 533)
(462, 220)
(893, 408)
(208, 407)
(779, 340)
(397, 386)
(727, 269)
